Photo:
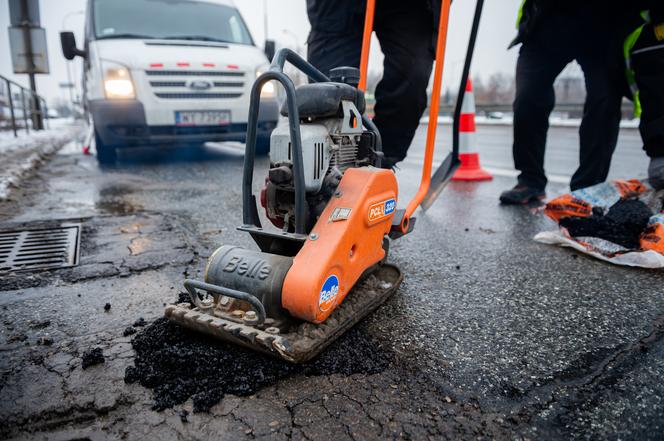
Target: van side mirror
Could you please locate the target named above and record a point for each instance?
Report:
(270, 48)
(69, 49)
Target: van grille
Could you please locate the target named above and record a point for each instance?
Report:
(184, 84)
(168, 83)
(173, 84)
(196, 73)
(196, 96)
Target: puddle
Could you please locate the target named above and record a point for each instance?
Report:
(117, 207)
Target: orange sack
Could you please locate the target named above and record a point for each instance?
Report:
(653, 236)
(567, 206)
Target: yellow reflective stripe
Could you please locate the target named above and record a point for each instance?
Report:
(630, 41)
(628, 45)
(659, 32)
(519, 15)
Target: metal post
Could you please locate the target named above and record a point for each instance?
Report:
(464, 75)
(11, 106)
(445, 170)
(71, 86)
(45, 113)
(265, 19)
(35, 107)
(36, 115)
(25, 116)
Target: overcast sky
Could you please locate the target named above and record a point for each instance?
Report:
(288, 24)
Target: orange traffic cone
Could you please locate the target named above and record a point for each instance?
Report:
(470, 169)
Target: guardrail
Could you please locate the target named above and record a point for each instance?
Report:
(33, 107)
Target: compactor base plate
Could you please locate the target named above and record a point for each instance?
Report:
(301, 341)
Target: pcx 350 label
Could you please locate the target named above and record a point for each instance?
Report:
(382, 209)
(328, 293)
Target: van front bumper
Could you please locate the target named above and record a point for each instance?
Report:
(122, 123)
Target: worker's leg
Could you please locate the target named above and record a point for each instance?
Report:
(536, 70)
(601, 118)
(648, 64)
(650, 81)
(336, 33)
(405, 32)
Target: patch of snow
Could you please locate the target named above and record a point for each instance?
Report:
(21, 155)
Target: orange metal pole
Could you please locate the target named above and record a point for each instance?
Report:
(366, 43)
(433, 114)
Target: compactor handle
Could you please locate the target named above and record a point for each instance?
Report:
(433, 106)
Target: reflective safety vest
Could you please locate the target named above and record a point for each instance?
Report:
(628, 45)
(519, 15)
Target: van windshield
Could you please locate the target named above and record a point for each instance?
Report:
(169, 19)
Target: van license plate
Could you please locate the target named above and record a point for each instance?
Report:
(203, 118)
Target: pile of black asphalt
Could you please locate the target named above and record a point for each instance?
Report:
(622, 224)
(178, 364)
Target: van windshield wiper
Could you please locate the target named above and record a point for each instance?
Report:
(125, 35)
(195, 37)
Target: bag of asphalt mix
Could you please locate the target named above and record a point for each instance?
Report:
(621, 222)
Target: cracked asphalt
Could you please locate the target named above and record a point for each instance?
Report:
(491, 336)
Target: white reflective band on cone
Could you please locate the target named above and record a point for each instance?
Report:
(468, 105)
(467, 142)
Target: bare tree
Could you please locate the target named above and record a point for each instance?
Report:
(479, 90)
(500, 88)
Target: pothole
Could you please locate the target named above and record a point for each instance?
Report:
(178, 364)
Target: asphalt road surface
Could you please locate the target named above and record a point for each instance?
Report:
(491, 335)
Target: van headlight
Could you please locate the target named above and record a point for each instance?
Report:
(269, 89)
(117, 81)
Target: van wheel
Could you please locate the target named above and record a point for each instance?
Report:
(263, 145)
(106, 155)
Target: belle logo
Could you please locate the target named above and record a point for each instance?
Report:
(381, 209)
(257, 268)
(328, 293)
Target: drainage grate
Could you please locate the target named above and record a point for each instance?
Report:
(46, 248)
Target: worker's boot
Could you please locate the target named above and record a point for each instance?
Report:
(656, 172)
(390, 162)
(522, 194)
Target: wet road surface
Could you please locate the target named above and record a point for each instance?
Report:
(491, 335)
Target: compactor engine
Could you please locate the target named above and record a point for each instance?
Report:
(333, 140)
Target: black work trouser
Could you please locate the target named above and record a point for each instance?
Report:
(558, 40)
(405, 32)
(648, 64)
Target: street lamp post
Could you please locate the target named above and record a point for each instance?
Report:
(265, 19)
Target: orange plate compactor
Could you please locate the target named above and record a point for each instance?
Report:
(323, 267)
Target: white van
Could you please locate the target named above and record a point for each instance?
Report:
(170, 72)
